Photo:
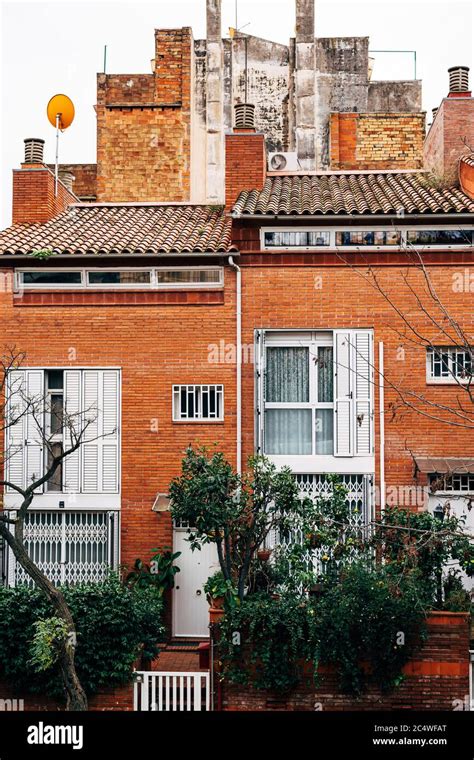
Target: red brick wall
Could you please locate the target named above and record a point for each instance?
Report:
(280, 291)
(85, 178)
(144, 126)
(376, 140)
(156, 345)
(437, 678)
(444, 144)
(33, 195)
(245, 163)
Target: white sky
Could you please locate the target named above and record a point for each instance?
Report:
(51, 47)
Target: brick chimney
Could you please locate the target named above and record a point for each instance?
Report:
(245, 155)
(452, 132)
(34, 199)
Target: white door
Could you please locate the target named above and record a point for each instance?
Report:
(190, 608)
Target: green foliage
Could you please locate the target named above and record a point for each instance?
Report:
(159, 574)
(369, 624)
(49, 635)
(456, 598)
(43, 254)
(113, 623)
(218, 587)
(276, 637)
(236, 512)
(419, 540)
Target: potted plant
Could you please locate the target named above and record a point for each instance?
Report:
(264, 554)
(217, 588)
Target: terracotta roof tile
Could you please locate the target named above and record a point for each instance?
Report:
(377, 193)
(136, 230)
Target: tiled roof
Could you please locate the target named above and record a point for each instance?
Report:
(378, 193)
(123, 229)
(468, 159)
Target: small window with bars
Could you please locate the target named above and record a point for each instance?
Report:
(456, 482)
(449, 364)
(198, 402)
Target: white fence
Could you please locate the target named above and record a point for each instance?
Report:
(155, 691)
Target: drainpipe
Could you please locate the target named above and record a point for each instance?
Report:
(239, 360)
(382, 426)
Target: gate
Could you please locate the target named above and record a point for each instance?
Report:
(155, 691)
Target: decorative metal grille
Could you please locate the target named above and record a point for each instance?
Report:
(69, 547)
(316, 486)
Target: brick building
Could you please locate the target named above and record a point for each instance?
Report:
(253, 325)
(160, 136)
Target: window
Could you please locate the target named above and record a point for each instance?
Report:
(372, 237)
(130, 278)
(314, 393)
(165, 278)
(299, 400)
(449, 364)
(65, 403)
(440, 237)
(45, 278)
(187, 277)
(390, 237)
(198, 402)
(461, 482)
(296, 239)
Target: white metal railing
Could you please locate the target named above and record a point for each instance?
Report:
(155, 691)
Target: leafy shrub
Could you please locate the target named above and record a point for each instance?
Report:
(113, 624)
(369, 625)
(276, 635)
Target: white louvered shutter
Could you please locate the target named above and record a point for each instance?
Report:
(72, 409)
(343, 402)
(15, 434)
(34, 420)
(259, 381)
(100, 457)
(363, 391)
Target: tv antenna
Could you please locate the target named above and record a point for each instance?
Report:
(60, 111)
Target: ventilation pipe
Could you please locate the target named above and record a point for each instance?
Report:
(34, 150)
(458, 79)
(244, 116)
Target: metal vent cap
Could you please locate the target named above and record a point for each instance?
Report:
(34, 150)
(458, 79)
(244, 116)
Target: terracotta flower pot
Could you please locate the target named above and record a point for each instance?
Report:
(264, 554)
(215, 615)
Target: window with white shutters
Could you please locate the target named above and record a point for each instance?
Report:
(64, 403)
(24, 438)
(353, 382)
(313, 393)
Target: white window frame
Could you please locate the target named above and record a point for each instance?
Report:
(313, 403)
(451, 379)
(176, 402)
(152, 285)
(402, 229)
(53, 500)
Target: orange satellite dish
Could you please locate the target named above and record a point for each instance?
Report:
(60, 111)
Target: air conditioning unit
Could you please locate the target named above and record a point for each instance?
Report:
(283, 162)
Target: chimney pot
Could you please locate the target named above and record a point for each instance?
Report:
(34, 150)
(458, 79)
(244, 116)
(67, 178)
